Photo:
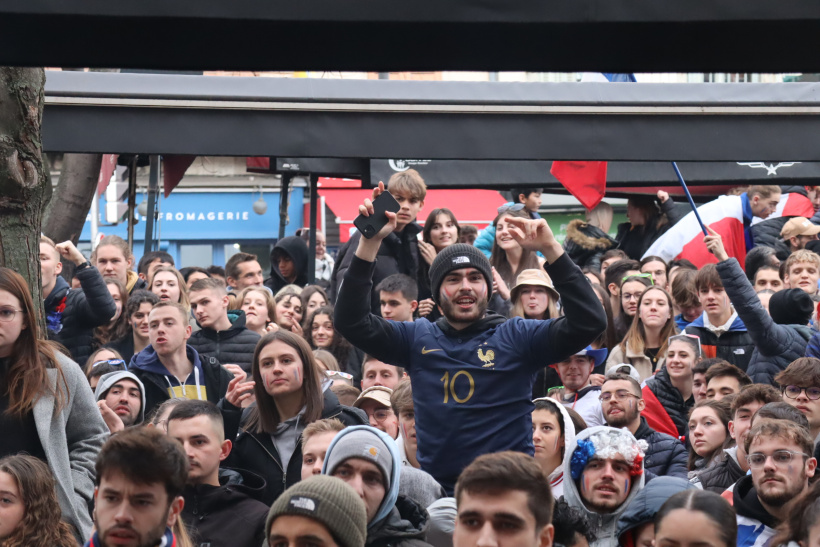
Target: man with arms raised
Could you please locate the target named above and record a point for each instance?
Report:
(503, 499)
(472, 372)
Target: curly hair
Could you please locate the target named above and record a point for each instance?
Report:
(41, 525)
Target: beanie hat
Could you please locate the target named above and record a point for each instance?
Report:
(791, 307)
(329, 501)
(457, 257)
(365, 445)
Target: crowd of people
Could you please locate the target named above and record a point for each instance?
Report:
(436, 385)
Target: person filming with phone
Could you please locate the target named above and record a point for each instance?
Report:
(472, 371)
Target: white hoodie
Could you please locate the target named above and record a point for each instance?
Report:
(557, 476)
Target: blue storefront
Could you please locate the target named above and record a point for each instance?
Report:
(200, 228)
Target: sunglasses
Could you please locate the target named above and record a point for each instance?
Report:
(507, 208)
(113, 363)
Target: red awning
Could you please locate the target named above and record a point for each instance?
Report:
(476, 207)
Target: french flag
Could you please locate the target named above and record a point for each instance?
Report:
(791, 205)
(586, 180)
(685, 239)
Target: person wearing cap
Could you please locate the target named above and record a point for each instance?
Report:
(622, 402)
(472, 371)
(375, 402)
(319, 508)
(605, 473)
(121, 399)
(577, 392)
(780, 336)
(797, 232)
(368, 460)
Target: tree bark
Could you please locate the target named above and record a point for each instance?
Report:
(24, 184)
(65, 216)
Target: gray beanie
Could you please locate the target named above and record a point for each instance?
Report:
(457, 257)
(365, 445)
(329, 501)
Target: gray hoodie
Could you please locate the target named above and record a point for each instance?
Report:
(604, 526)
(107, 381)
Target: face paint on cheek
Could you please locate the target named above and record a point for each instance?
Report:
(403, 431)
(447, 295)
(296, 374)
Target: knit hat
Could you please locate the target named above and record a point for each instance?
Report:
(327, 500)
(456, 257)
(791, 307)
(362, 444)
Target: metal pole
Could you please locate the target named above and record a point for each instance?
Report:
(153, 188)
(314, 185)
(132, 200)
(689, 196)
(284, 203)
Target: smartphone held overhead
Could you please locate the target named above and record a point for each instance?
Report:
(372, 224)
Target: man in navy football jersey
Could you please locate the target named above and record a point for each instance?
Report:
(472, 371)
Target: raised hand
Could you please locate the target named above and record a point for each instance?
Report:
(68, 251)
(535, 235)
(427, 252)
(714, 244)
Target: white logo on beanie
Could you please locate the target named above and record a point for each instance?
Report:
(301, 502)
(461, 260)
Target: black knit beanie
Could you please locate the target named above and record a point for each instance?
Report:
(457, 257)
(791, 307)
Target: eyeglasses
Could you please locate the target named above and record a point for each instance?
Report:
(381, 414)
(8, 314)
(113, 363)
(619, 395)
(507, 208)
(793, 392)
(644, 275)
(779, 457)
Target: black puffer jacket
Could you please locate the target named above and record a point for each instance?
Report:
(666, 455)
(722, 474)
(634, 241)
(767, 233)
(403, 527)
(775, 346)
(85, 309)
(672, 400)
(296, 248)
(234, 346)
(256, 452)
(228, 514)
(646, 505)
(586, 243)
(399, 253)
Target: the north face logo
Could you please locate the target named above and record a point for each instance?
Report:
(301, 502)
(461, 260)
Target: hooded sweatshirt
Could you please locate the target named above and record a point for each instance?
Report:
(296, 248)
(604, 526)
(557, 476)
(107, 381)
(208, 381)
(755, 525)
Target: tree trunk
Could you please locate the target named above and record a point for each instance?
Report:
(65, 216)
(24, 184)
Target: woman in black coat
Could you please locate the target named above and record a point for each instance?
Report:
(287, 384)
(647, 222)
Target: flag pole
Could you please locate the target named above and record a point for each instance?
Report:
(689, 197)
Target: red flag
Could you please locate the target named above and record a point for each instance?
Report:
(174, 169)
(109, 163)
(586, 180)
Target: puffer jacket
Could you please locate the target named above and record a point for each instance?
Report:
(405, 526)
(296, 248)
(671, 400)
(586, 243)
(666, 455)
(72, 315)
(635, 240)
(722, 474)
(399, 253)
(604, 525)
(255, 452)
(646, 505)
(767, 234)
(775, 346)
(735, 345)
(233, 346)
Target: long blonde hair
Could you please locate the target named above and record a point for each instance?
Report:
(183, 287)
